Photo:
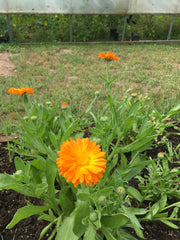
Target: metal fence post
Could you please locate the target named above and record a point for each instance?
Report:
(70, 28)
(9, 27)
(170, 29)
(124, 28)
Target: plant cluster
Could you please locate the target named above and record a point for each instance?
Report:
(48, 28)
(85, 184)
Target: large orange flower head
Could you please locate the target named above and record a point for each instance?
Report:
(81, 161)
(20, 91)
(109, 56)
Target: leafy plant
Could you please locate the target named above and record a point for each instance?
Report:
(85, 186)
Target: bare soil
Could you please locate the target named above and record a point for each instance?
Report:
(29, 229)
(7, 67)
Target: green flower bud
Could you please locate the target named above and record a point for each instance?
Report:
(103, 118)
(102, 199)
(97, 93)
(48, 103)
(25, 117)
(93, 216)
(39, 104)
(33, 117)
(97, 140)
(120, 190)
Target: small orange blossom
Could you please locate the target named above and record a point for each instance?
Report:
(109, 56)
(20, 91)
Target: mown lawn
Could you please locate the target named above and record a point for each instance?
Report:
(72, 73)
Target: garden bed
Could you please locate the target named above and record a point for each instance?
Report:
(30, 228)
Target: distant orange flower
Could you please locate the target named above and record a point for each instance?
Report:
(64, 105)
(81, 161)
(109, 56)
(133, 94)
(20, 91)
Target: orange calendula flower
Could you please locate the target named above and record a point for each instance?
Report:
(109, 56)
(81, 161)
(64, 105)
(133, 94)
(20, 91)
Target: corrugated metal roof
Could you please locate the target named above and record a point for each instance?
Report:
(91, 6)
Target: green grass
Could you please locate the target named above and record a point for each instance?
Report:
(72, 73)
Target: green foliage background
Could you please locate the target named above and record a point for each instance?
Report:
(46, 28)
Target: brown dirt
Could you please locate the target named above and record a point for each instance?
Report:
(29, 229)
(7, 67)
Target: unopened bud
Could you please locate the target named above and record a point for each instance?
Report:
(104, 118)
(48, 103)
(33, 117)
(97, 140)
(97, 93)
(102, 199)
(160, 155)
(93, 217)
(120, 190)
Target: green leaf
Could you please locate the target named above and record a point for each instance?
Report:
(81, 211)
(51, 170)
(83, 196)
(65, 231)
(131, 216)
(39, 163)
(66, 200)
(90, 233)
(170, 224)
(9, 182)
(133, 192)
(138, 211)
(53, 139)
(103, 192)
(174, 110)
(26, 212)
(174, 214)
(114, 220)
(40, 131)
(107, 234)
(19, 163)
(163, 201)
(128, 122)
(137, 144)
(153, 211)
